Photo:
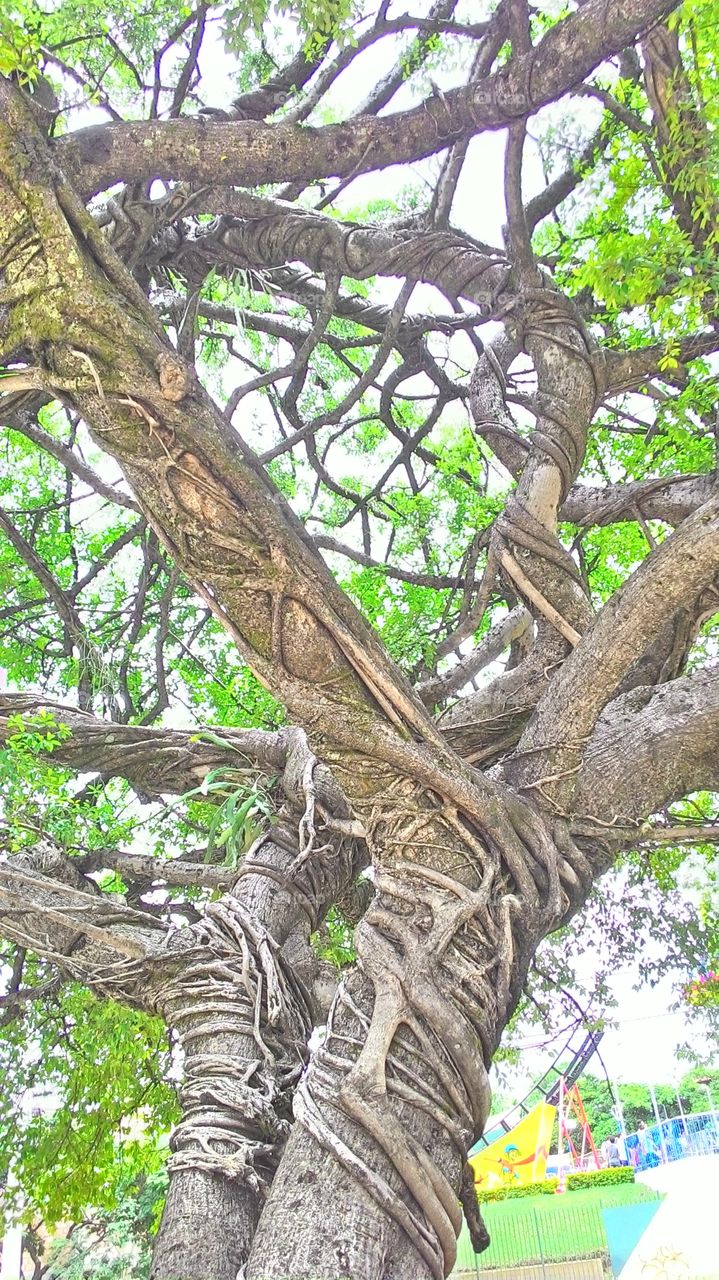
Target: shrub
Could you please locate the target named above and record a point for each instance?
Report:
(575, 1182)
(547, 1188)
(599, 1178)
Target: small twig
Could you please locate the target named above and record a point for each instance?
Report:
(140, 410)
(82, 355)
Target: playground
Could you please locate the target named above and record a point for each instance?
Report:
(545, 1228)
(556, 1206)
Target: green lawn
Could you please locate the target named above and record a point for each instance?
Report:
(549, 1227)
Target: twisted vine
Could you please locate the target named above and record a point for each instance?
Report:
(441, 964)
(234, 982)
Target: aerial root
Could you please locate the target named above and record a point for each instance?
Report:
(233, 983)
(445, 962)
(404, 964)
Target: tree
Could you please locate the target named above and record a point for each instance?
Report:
(310, 568)
(636, 1100)
(113, 1244)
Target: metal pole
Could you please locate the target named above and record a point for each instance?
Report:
(618, 1108)
(712, 1112)
(659, 1123)
(618, 1113)
(704, 1081)
(560, 1122)
(538, 1234)
(681, 1141)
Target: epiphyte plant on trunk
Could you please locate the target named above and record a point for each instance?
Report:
(416, 535)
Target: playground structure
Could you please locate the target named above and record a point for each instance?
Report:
(518, 1156)
(570, 1113)
(515, 1149)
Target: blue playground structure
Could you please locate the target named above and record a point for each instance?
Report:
(692, 1135)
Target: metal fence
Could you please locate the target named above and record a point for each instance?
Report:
(581, 1269)
(568, 1242)
(693, 1135)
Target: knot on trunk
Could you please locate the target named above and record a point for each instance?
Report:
(175, 378)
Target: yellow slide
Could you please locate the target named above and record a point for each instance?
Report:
(518, 1156)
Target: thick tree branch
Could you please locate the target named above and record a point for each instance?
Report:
(160, 762)
(269, 233)
(249, 154)
(46, 905)
(155, 761)
(676, 577)
(134, 867)
(670, 499)
(631, 370)
(650, 747)
(685, 145)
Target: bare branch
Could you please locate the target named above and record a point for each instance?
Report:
(70, 460)
(137, 866)
(511, 628)
(542, 205)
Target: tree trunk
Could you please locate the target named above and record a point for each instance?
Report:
(371, 1178)
(242, 1021)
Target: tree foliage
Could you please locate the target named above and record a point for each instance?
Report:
(600, 1101)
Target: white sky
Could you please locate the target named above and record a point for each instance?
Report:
(642, 1049)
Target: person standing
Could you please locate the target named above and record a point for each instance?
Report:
(613, 1157)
